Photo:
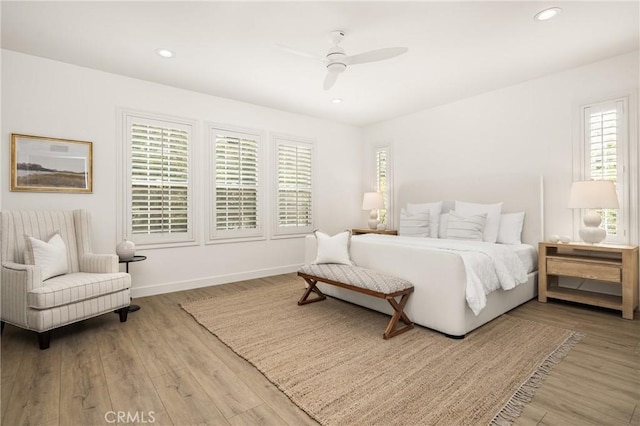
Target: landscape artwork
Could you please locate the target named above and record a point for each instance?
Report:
(43, 164)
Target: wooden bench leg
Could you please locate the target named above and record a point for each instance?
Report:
(312, 288)
(398, 315)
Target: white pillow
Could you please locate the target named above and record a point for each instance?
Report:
(434, 210)
(442, 228)
(510, 230)
(414, 224)
(50, 256)
(493, 217)
(333, 249)
(466, 228)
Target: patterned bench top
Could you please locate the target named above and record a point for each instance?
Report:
(359, 277)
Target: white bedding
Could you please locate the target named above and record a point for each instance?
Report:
(528, 255)
(488, 266)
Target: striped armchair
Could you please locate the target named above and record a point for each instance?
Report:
(92, 286)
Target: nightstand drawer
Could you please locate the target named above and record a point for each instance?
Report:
(567, 267)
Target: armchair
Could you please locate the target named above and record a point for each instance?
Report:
(93, 285)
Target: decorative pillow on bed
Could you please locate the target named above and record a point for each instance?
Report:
(442, 227)
(434, 210)
(50, 256)
(493, 217)
(414, 224)
(333, 249)
(510, 230)
(466, 228)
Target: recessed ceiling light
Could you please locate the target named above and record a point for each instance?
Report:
(165, 53)
(547, 14)
(336, 101)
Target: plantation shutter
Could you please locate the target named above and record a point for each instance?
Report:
(159, 178)
(294, 198)
(603, 136)
(236, 183)
(382, 172)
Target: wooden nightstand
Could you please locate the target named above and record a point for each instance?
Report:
(358, 231)
(617, 264)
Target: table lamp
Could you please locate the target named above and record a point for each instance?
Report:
(373, 201)
(591, 195)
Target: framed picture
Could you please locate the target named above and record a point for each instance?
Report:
(42, 164)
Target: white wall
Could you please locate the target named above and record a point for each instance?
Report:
(49, 98)
(527, 128)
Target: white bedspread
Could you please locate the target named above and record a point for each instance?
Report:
(488, 266)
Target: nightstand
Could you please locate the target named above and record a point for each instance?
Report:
(615, 264)
(358, 231)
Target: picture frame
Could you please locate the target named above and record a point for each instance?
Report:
(44, 164)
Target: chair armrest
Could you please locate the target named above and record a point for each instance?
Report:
(99, 263)
(17, 280)
(22, 276)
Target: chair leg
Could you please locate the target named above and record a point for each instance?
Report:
(123, 313)
(44, 339)
(1, 327)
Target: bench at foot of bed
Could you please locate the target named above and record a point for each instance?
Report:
(361, 280)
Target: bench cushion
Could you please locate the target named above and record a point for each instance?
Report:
(358, 277)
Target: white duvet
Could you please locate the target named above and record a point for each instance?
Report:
(488, 266)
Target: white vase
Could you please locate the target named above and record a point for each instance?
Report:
(126, 249)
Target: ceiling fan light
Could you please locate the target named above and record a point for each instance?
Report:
(546, 14)
(337, 67)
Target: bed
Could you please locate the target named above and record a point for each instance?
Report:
(439, 301)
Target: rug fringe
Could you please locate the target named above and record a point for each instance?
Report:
(513, 408)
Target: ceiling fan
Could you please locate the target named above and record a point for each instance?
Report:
(337, 60)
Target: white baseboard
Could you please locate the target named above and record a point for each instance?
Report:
(151, 290)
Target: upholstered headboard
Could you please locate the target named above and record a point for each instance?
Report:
(517, 192)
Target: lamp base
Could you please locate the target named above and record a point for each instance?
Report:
(373, 219)
(591, 233)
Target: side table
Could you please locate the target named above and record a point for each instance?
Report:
(132, 308)
(614, 264)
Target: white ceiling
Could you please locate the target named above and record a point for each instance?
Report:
(456, 49)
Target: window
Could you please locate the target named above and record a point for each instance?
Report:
(158, 182)
(383, 183)
(605, 156)
(235, 193)
(382, 168)
(294, 183)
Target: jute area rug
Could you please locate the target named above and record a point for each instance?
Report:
(330, 359)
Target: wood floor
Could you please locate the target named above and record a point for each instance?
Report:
(161, 367)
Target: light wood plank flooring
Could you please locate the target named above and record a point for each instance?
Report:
(162, 366)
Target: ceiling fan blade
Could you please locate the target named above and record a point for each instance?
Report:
(375, 55)
(301, 53)
(330, 80)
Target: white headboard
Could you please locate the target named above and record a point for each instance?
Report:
(517, 192)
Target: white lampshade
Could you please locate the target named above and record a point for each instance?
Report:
(372, 201)
(593, 194)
